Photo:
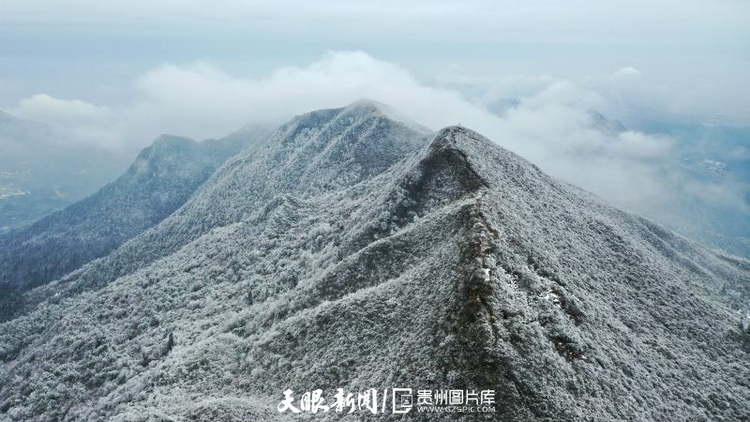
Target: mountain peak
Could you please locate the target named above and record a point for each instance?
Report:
(486, 158)
(165, 138)
(370, 106)
(452, 136)
(610, 127)
(166, 142)
(366, 104)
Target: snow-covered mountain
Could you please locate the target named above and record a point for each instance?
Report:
(162, 178)
(354, 250)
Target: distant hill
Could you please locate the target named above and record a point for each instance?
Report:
(715, 183)
(162, 178)
(42, 170)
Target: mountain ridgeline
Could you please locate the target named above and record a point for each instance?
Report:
(309, 156)
(162, 178)
(354, 250)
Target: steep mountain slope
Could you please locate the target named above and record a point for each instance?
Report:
(325, 261)
(311, 155)
(162, 178)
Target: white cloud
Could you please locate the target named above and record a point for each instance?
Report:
(717, 194)
(680, 56)
(641, 146)
(46, 108)
(201, 100)
(627, 72)
(550, 123)
(76, 121)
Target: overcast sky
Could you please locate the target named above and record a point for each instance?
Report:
(695, 55)
(525, 73)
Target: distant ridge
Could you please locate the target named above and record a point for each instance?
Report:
(162, 178)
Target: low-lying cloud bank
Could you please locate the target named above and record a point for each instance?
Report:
(551, 122)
